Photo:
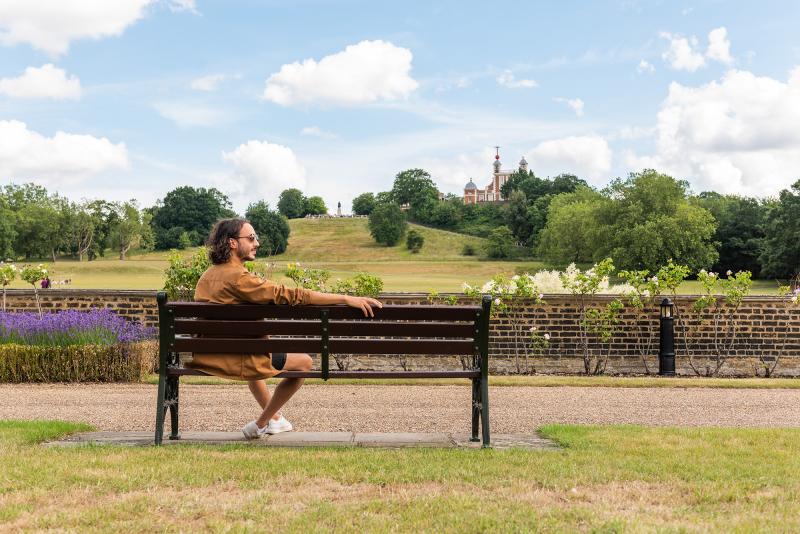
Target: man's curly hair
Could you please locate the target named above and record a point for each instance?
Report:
(219, 246)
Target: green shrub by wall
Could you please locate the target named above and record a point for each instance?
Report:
(127, 362)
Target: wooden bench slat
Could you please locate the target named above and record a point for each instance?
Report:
(312, 328)
(348, 374)
(272, 311)
(336, 346)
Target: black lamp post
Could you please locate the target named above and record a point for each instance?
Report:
(666, 347)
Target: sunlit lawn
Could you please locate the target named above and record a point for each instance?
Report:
(605, 479)
(342, 246)
(398, 276)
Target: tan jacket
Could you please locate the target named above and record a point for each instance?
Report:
(230, 283)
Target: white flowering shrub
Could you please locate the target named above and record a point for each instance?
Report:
(306, 277)
(601, 323)
(32, 274)
(506, 292)
(8, 272)
(720, 315)
(768, 362)
(642, 295)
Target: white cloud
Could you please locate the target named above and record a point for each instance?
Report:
(316, 131)
(188, 114)
(263, 170)
(453, 173)
(635, 132)
(575, 103)
(63, 158)
(586, 156)
(207, 83)
(363, 73)
(48, 81)
(506, 79)
(684, 55)
(645, 66)
(719, 47)
(177, 6)
(50, 25)
(736, 135)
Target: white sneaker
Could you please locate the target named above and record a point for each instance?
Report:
(251, 431)
(277, 426)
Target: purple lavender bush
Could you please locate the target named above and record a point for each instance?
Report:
(71, 327)
(74, 346)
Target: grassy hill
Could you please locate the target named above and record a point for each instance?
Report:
(326, 240)
(342, 246)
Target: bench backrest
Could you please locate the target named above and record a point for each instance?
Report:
(395, 329)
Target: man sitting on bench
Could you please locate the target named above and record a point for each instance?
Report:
(231, 243)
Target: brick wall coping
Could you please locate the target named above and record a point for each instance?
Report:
(152, 293)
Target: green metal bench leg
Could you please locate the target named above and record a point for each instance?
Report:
(172, 402)
(476, 409)
(485, 411)
(160, 409)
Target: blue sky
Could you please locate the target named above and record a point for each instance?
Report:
(131, 98)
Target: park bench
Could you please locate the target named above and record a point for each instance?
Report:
(395, 329)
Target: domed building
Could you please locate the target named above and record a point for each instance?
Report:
(491, 193)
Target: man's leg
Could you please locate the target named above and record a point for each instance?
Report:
(261, 393)
(286, 388)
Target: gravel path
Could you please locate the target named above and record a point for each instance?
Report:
(407, 408)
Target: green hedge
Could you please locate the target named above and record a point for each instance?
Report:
(128, 362)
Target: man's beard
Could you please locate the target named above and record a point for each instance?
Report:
(244, 257)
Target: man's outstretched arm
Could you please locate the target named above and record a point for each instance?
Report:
(364, 303)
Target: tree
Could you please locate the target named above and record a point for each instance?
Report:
(414, 241)
(314, 206)
(518, 218)
(740, 230)
(37, 220)
(291, 203)
(80, 227)
(105, 216)
(571, 231)
(650, 220)
(642, 222)
(7, 232)
(448, 214)
(415, 188)
(387, 224)
(272, 228)
(363, 204)
(781, 254)
(195, 210)
(500, 243)
(129, 227)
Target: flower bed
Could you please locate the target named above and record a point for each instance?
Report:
(73, 346)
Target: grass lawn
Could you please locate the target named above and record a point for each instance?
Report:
(606, 479)
(343, 246)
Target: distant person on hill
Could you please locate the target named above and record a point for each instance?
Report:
(45, 283)
(231, 243)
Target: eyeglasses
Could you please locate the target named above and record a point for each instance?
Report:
(251, 237)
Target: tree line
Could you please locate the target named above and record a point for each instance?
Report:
(641, 221)
(37, 224)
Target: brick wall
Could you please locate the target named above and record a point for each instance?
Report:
(766, 328)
